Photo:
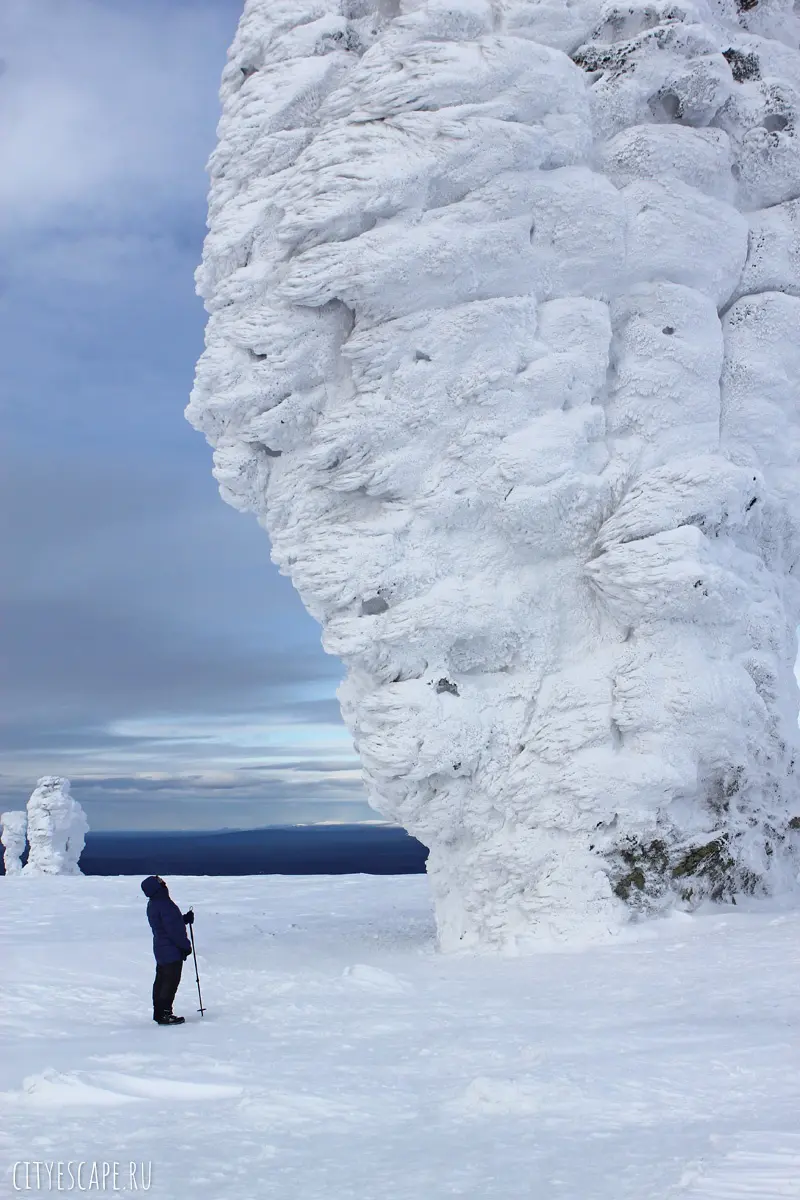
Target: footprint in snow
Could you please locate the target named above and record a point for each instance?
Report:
(374, 979)
(761, 1165)
(166, 1089)
(54, 1089)
(109, 1089)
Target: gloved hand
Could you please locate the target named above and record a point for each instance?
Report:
(187, 954)
(188, 918)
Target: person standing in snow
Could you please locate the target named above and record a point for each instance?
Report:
(171, 946)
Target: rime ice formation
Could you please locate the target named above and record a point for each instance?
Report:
(56, 828)
(13, 826)
(504, 352)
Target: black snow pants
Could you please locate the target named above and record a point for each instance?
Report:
(168, 976)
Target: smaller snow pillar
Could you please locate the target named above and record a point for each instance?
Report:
(57, 826)
(13, 826)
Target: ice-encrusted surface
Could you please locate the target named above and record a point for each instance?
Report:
(504, 352)
(57, 827)
(13, 827)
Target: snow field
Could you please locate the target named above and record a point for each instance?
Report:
(341, 1058)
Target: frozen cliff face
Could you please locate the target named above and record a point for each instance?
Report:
(57, 826)
(13, 826)
(503, 351)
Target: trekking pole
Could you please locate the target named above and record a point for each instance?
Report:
(201, 1010)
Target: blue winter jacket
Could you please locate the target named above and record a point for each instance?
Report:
(170, 942)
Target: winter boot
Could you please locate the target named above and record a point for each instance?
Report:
(168, 1018)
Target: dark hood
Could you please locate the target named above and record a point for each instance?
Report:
(153, 886)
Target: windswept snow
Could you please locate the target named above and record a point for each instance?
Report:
(503, 352)
(57, 827)
(342, 1058)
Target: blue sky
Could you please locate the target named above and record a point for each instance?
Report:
(150, 650)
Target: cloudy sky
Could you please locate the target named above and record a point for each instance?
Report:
(150, 650)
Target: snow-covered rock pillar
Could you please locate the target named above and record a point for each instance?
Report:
(13, 826)
(504, 353)
(57, 827)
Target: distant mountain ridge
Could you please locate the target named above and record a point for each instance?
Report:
(371, 848)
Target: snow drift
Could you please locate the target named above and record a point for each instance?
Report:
(13, 828)
(503, 351)
(57, 827)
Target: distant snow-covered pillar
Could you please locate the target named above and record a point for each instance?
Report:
(13, 826)
(57, 827)
(504, 353)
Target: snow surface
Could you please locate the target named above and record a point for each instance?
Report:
(57, 827)
(504, 352)
(341, 1058)
(13, 830)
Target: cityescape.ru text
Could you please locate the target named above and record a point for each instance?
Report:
(81, 1176)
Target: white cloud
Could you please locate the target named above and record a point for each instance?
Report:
(105, 108)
